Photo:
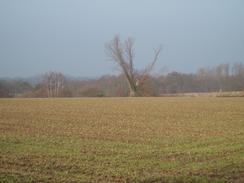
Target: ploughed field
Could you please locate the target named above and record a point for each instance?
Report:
(122, 140)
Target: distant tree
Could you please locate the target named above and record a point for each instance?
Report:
(5, 88)
(238, 76)
(54, 83)
(123, 55)
(14, 88)
(92, 92)
(21, 88)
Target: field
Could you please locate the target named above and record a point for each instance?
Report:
(177, 139)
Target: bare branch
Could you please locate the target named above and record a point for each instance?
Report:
(149, 68)
(130, 55)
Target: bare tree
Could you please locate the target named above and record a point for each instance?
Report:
(54, 83)
(123, 54)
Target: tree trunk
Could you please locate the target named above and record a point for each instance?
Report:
(132, 93)
(133, 90)
(132, 86)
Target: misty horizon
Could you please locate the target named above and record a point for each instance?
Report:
(164, 71)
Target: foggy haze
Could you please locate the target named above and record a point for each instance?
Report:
(37, 36)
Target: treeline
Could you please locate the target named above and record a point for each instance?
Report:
(224, 77)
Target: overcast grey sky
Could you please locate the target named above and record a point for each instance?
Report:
(69, 35)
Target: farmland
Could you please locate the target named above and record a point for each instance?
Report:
(177, 139)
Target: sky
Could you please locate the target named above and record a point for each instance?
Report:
(69, 36)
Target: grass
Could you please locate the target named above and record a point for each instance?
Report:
(122, 140)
